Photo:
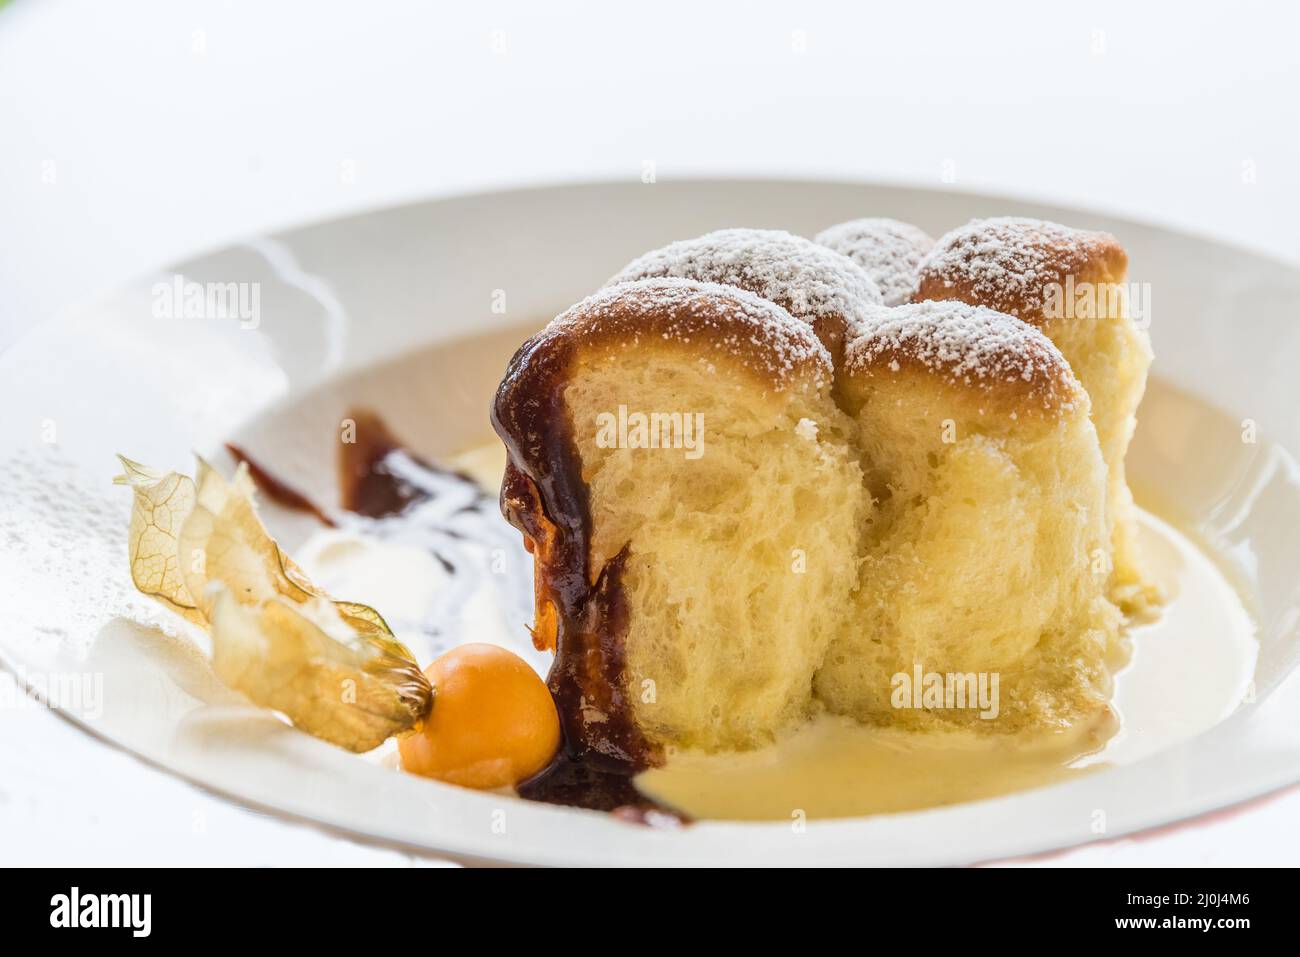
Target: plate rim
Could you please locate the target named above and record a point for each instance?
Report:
(285, 233)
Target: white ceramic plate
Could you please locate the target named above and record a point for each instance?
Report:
(376, 309)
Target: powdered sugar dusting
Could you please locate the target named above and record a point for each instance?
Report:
(63, 549)
(750, 330)
(1007, 262)
(888, 250)
(971, 345)
(808, 280)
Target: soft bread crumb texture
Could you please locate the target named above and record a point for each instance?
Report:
(741, 562)
(937, 484)
(985, 553)
(1026, 268)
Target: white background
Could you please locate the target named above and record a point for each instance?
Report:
(172, 127)
(136, 133)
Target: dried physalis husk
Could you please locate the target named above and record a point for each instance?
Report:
(162, 503)
(308, 662)
(333, 667)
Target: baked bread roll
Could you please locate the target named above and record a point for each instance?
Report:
(985, 552)
(688, 588)
(889, 251)
(1069, 283)
(943, 507)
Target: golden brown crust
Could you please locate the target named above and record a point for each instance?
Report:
(993, 358)
(811, 282)
(717, 324)
(889, 250)
(580, 609)
(1012, 264)
(973, 359)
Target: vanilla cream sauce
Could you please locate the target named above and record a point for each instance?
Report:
(1189, 668)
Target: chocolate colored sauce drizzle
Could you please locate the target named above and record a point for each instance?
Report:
(580, 615)
(278, 491)
(376, 471)
(390, 494)
(583, 623)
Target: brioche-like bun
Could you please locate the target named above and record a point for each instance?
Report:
(987, 358)
(1011, 263)
(986, 551)
(811, 282)
(889, 251)
(671, 583)
(870, 489)
(1068, 283)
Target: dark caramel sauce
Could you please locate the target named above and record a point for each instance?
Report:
(382, 481)
(278, 491)
(379, 477)
(581, 612)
